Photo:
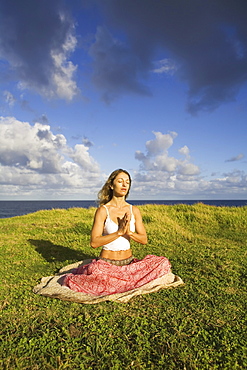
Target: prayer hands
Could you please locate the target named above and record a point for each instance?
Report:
(123, 224)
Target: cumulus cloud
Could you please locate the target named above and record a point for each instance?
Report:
(163, 185)
(157, 157)
(234, 159)
(203, 43)
(36, 40)
(185, 151)
(81, 157)
(161, 175)
(32, 157)
(234, 182)
(36, 163)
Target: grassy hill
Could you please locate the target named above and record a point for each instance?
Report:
(201, 325)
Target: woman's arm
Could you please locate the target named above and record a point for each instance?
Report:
(140, 235)
(97, 239)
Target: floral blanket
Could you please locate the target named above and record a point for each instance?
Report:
(93, 281)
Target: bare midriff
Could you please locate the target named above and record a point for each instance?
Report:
(116, 255)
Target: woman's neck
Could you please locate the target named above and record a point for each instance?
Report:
(118, 202)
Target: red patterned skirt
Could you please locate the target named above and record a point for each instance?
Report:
(102, 278)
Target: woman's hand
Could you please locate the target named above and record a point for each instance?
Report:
(139, 235)
(123, 224)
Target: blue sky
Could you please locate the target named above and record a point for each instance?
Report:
(157, 88)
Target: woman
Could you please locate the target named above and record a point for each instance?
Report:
(116, 222)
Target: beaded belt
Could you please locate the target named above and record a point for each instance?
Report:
(127, 261)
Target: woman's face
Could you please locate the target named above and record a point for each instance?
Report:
(121, 184)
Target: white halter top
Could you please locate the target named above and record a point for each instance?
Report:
(121, 243)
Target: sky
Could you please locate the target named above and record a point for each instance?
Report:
(158, 88)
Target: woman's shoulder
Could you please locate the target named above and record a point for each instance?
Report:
(135, 211)
(101, 211)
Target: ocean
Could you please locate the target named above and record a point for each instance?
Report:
(10, 208)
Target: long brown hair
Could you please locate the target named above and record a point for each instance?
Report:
(106, 193)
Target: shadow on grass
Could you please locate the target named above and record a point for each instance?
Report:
(52, 252)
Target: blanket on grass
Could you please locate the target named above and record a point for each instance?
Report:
(54, 286)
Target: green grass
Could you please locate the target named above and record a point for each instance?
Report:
(201, 325)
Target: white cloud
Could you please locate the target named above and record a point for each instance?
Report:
(161, 175)
(61, 81)
(37, 164)
(158, 159)
(31, 147)
(161, 143)
(33, 159)
(188, 169)
(64, 86)
(165, 163)
(80, 155)
(185, 151)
